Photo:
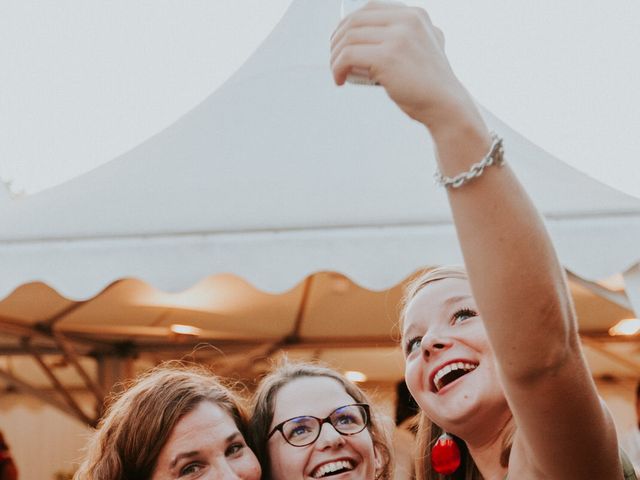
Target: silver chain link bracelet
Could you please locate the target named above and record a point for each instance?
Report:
(494, 157)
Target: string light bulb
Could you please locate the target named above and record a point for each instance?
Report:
(628, 326)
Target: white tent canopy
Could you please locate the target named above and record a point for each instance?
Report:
(279, 174)
(276, 176)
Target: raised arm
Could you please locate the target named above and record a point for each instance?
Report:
(519, 286)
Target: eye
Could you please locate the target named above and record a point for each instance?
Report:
(346, 419)
(299, 430)
(463, 314)
(413, 344)
(234, 448)
(190, 469)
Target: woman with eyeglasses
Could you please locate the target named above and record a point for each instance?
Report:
(493, 355)
(309, 421)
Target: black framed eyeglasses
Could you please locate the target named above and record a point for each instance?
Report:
(303, 431)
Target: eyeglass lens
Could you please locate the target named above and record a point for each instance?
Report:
(347, 420)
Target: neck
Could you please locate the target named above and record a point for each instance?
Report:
(487, 450)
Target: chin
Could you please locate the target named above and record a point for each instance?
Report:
(463, 406)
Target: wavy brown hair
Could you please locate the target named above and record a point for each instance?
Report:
(428, 432)
(264, 407)
(138, 422)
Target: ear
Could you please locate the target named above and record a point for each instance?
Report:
(378, 461)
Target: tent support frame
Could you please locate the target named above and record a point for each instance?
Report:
(59, 387)
(44, 397)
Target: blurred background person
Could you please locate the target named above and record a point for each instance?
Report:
(8, 469)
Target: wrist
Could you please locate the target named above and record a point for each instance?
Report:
(495, 156)
(460, 142)
(460, 138)
(457, 120)
(454, 112)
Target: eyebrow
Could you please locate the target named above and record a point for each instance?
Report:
(447, 303)
(180, 456)
(352, 401)
(458, 298)
(193, 453)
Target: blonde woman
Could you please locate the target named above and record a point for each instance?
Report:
(492, 352)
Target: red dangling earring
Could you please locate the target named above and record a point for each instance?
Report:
(445, 455)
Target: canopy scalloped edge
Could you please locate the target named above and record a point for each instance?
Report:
(375, 258)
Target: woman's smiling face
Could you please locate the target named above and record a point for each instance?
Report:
(450, 369)
(206, 445)
(318, 396)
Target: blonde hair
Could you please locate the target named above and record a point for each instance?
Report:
(264, 406)
(138, 422)
(426, 277)
(428, 432)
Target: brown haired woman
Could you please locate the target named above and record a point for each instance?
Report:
(493, 355)
(174, 422)
(311, 422)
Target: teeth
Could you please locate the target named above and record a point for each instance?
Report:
(332, 467)
(437, 379)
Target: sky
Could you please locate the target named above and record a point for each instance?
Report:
(89, 80)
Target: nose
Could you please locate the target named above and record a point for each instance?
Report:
(433, 343)
(329, 437)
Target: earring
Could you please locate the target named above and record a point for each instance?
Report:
(445, 455)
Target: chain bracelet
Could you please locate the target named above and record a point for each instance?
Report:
(494, 157)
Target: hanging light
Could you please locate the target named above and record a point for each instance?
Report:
(187, 330)
(628, 326)
(357, 377)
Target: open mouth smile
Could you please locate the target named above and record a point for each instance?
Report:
(449, 373)
(331, 469)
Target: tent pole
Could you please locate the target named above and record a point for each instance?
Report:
(49, 322)
(58, 385)
(42, 396)
(17, 328)
(110, 371)
(71, 356)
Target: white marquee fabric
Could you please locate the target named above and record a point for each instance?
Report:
(279, 174)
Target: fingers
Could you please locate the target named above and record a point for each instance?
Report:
(365, 17)
(359, 57)
(385, 24)
(371, 6)
(380, 14)
(365, 27)
(370, 26)
(357, 36)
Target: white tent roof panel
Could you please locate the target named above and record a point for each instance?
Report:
(279, 174)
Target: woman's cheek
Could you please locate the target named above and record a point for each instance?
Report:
(250, 467)
(257, 472)
(412, 376)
